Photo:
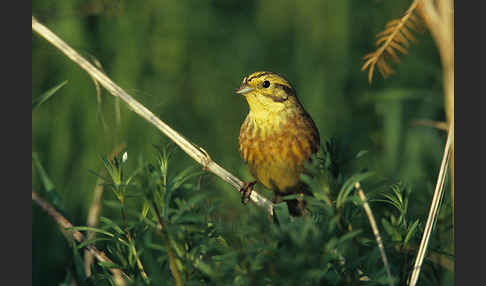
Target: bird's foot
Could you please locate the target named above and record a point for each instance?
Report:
(246, 191)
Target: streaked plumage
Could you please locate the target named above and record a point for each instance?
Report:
(277, 136)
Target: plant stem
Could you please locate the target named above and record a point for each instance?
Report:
(118, 275)
(170, 251)
(194, 151)
(375, 229)
(434, 207)
(139, 262)
(133, 249)
(95, 209)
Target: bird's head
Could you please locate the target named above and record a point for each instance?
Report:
(268, 92)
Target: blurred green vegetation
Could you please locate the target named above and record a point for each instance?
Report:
(184, 59)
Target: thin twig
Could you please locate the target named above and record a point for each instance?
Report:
(376, 232)
(435, 124)
(194, 151)
(118, 275)
(434, 207)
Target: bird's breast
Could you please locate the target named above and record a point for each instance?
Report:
(275, 150)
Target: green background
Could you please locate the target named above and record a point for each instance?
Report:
(184, 59)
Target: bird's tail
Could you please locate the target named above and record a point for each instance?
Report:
(297, 207)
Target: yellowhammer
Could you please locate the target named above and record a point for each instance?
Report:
(277, 136)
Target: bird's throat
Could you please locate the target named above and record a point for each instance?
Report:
(266, 124)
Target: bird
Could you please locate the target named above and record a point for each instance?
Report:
(276, 138)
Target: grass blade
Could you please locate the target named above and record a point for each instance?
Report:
(36, 102)
(51, 193)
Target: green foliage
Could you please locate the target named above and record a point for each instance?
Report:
(172, 229)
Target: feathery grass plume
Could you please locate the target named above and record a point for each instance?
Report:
(395, 38)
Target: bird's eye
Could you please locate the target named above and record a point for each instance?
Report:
(266, 84)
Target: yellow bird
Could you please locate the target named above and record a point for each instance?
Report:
(277, 137)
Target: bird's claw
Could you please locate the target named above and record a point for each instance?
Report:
(246, 191)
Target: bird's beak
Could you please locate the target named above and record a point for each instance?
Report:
(244, 88)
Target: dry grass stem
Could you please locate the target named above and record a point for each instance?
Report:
(194, 151)
(433, 256)
(439, 18)
(92, 221)
(375, 229)
(98, 94)
(118, 275)
(430, 123)
(434, 207)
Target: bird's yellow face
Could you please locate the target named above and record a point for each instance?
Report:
(267, 93)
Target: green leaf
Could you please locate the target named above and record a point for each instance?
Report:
(204, 267)
(183, 176)
(105, 179)
(222, 241)
(107, 264)
(348, 187)
(349, 235)
(164, 153)
(114, 170)
(361, 154)
(145, 209)
(281, 213)
(93, 229)
(391, 230)
(411, 231)
(78, 265)
(36, 102)
(111, 224)
(113, 204)
(189, 218)
(91, 241)
(52, 195)
(174, 184)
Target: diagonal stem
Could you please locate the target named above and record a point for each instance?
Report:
(118, 274)
(376, 232)
(194, 151)
(434, 207)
